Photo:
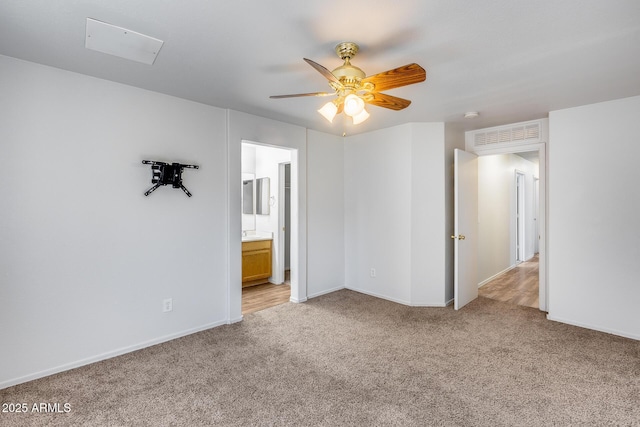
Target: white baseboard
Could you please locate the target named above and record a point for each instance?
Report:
(327, 291)
(429, 304)
(399, 301)
(593, 327)
(373, 294)
(484, 282)
(107, 355)
(236, 320)
(296, 300)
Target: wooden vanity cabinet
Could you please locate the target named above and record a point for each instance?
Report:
(256, 262)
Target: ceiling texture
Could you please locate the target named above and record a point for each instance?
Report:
(509, 60)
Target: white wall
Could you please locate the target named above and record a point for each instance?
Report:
(593, 216)
(496, 212)
(427, 210)
(495, 176)
(325, 213)
(267, 166)
(377, 168)
(85, 258)
(395, 213)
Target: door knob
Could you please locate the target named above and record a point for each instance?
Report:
(461, 237)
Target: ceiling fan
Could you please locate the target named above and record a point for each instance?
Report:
(354, 90)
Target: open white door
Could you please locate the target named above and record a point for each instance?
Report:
(465, 276)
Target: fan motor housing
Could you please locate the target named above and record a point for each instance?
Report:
(349, 75)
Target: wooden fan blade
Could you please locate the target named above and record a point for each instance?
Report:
(296, 95)
(401, 76)
(388, 101)
(326, 73)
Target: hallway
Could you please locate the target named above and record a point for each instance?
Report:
(517, 286)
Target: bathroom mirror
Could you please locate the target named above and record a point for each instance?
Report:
(262, 196)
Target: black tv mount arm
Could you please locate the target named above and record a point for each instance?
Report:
(165, 174)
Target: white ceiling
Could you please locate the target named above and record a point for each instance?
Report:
(511, 60)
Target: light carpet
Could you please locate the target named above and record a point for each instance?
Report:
(351, 359)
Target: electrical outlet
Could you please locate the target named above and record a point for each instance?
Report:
(372, 272)
(167, 305)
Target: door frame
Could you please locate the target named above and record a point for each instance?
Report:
(298, 218)
(520, 217)
(536, 212)
(282, 220)
(540, 147)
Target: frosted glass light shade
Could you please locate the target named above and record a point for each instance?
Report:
(359, 118)
(353, 105)
(328, 111)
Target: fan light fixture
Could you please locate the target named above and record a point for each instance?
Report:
(357, 119)
(329, 111)
(353, 107)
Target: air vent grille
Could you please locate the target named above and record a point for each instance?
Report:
(504, 135)
(532, 131)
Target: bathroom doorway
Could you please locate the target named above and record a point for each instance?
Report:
(266, 248)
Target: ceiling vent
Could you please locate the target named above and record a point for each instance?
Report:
(515, 134)
(118, 41)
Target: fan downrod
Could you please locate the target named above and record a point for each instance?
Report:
(349, 75)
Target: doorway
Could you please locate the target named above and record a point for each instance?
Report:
(270, 165)
(461, 268)
(508, 266)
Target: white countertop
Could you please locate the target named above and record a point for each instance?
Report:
(252, 236)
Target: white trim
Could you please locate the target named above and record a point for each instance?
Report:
(296, 300)
(593, 327)
(108, 355)
(399, 301)
(519, 216)
(227, 220)
(326, 291)
(484, 282)
(374, 294)
(263, 131)
(427, 304)
(281, 264)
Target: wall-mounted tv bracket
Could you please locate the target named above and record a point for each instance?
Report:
(165, 173)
